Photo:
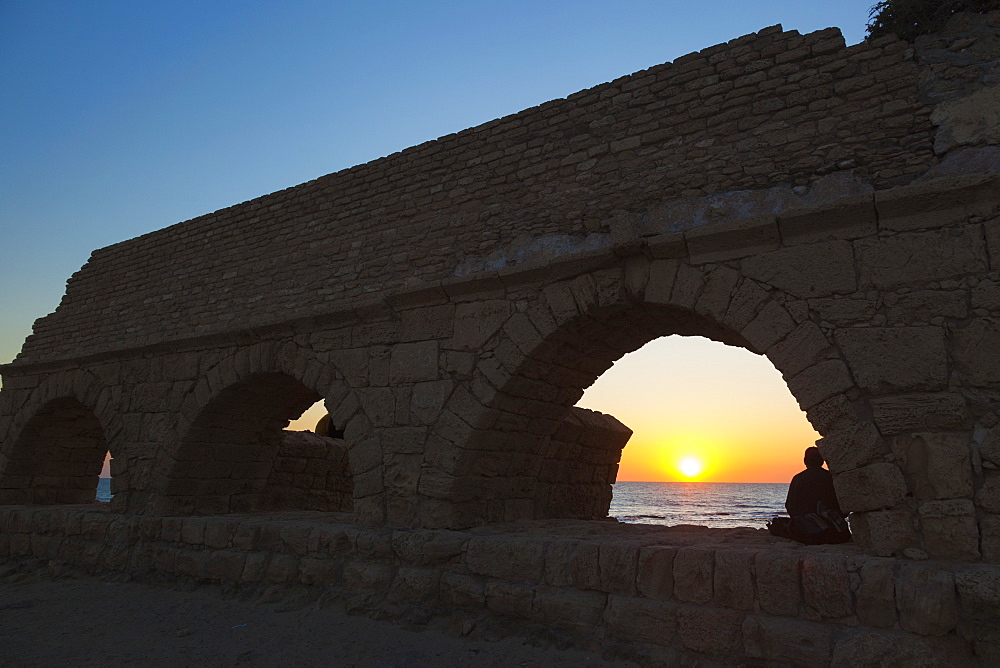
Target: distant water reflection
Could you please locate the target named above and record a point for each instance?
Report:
(711, 504)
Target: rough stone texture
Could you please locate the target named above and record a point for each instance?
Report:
(454, 300)
(939, 465)
(947, 612)
(949, 528)
(926, 599)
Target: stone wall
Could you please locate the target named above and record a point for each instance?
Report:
(580, 466)
(879, 310)
(654, 594)
(311, 472)
(768, 110)
(834, 209)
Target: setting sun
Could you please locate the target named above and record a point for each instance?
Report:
(690, 466)
(724, 408)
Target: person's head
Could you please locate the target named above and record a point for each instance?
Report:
(813, 457)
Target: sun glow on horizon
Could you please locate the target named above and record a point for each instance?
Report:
(689, 397)
(690, 466)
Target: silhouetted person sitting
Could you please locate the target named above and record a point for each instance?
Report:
(814, 512)
(811, 486)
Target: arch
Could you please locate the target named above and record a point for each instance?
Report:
(56, 443)
(232, 453)
(497, 432)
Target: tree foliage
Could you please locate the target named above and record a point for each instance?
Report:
(911, 18)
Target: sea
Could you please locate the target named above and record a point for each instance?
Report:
(722, 505)
(711, 504)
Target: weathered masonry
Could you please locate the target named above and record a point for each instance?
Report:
(834, 208)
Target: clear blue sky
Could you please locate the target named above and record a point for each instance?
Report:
(122, 117)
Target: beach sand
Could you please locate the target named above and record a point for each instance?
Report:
(82, 620)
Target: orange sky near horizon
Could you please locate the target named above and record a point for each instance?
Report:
(693, 397)
(687, 396)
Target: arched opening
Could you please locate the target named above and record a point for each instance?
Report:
(240, 456)
(536, 370)
(57, 458)
(104, 493)
(716, 434)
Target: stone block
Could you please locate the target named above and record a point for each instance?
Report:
(843, 311)
(295, 538)
(655, 575)
(852, 447)
(949, 529)
(976, 351)
(667, 245)
(619, 567)
(430, 322)
(772, 324)
(813, 270)
(826, 586)
(919, 258)
(516, 559)
(693, 575)
(255, 567)
(562, 304)
(787, 641)
(191, 563)
(715, 296)
(415, 583)
(819, 382)
(522, 333)
(937, 465)
(413, 362)
(509, 599)
(919, 412)
(986, 293)
(989, 538)
(778, 590)
(747, 300)
(886, 648)
(636, 276)
(427, 400)
(940, 202)
(836, 412)
(367, 576)
(875, 598)
(732, 239)
(733, 580)
(872, 487)
(978, 589)
(568, 608)
(584, 290)
(193, 531)
(686, 287)
(924, 306)
(896, 359)
(925, 596)
(282, 568)
(319, 571)
(803, 347)
(849, 217)
(463, 591)
(225, 565)
(989, 449)
(886, 532)
(639, 619)
(708, 630)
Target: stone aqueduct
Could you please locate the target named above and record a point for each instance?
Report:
(833, 208)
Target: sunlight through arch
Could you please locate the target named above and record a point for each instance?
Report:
(694, 403)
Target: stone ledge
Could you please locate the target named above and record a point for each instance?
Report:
(600, 578)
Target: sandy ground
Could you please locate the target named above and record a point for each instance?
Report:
(86, 621)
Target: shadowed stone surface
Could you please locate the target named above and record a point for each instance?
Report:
(834, 208)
